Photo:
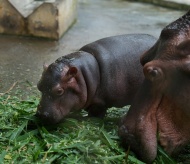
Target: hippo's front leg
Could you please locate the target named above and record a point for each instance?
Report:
(96, 111)
(139, 127)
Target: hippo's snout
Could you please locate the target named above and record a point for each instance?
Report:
(46, 115)
(46, 118)
(153, 73)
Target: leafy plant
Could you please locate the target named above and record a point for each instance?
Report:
(78, 139)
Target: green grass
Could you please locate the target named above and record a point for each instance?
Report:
(78, 139)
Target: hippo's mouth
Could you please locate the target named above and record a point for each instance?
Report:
(171, 132)
(60, 109)
(149, 121)
(63, 112)
(158, 117)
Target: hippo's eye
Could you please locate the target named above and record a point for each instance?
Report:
(59, 92)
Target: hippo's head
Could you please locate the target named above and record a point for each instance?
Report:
(161, 110)
(62, 91)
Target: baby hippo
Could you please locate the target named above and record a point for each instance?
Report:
(103, 74)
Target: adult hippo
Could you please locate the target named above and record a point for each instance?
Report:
(100, 75)
(161, 108)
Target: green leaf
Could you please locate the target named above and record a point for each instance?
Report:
(2, 156)
(27, 135)
(8, 157)
(165, 157)
(135, 160)
(107, 137)
(113, 157)
(17, 131)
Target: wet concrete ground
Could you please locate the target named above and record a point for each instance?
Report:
(21, 58)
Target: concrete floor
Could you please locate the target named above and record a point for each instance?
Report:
(22, 58)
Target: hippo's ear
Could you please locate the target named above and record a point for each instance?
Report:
(71, 73)
(45, 66)
(184, 47)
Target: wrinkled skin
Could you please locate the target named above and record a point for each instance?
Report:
(161, 108)
(102, 74)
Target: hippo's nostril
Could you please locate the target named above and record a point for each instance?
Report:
(153, 73)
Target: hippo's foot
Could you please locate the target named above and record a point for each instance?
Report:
(173, 128)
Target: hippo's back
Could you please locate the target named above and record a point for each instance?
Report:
(117, 46)
(119, 63)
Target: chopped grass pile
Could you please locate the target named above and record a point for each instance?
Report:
(78, 139)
